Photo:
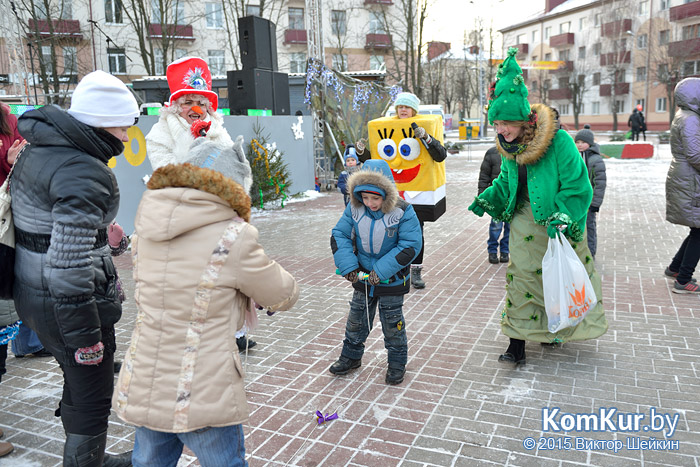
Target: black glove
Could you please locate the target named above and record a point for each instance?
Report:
(373, 278)
(351, 276)
(594, 208)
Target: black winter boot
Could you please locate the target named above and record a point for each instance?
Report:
(84, 450)
(344, 365)
(394, 375)
(118, 460)
(515, 353)
(416, 280)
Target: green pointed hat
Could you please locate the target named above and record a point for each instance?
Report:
(508, 99)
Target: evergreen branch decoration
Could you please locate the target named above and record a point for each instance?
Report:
(270, 173)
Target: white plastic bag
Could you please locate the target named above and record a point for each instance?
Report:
(568, 292)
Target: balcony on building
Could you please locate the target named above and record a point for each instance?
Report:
(613, 58)
(558, 94)
(295, 36)
(567, 67)
(522, 49)
(616, 28)
(176, 31)
(685, 11)
(561, 40)
(68, 28)
(378, 41)
(684, 48)
(620, 89)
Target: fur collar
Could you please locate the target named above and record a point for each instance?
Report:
(547, 127)
(371, 177)
(189, 176)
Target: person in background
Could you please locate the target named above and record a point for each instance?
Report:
(198, 267)
(351, 166)
(378, 235)
(190, 115)
(407, 105)
(637, 124)
(590, 151)
(682, 188)
(64, 196)
(543, 189)
(490, 168)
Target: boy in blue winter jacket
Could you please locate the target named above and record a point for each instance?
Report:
(351, 166)
(373, 245)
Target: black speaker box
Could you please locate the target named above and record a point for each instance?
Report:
(258, 43)
(250, 89)
(280, 93)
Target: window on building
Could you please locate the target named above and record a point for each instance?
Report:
(642, 40)
(564, 55)
(661, 103)
(158, 62)
(644, 7)
(581, 80)
(534, 58)
(70, 60)
(663, 5)
(641, 73)
(297, 62)
(535, 36)
(582, 52)
(639, 102)
(66, 11)
(691, 68)
(296, 18)
(46, 54)
(596, 49)
(215, 15)
(117, 61)
(582, 108)
(340, 62)
(338, 24)
(595, 108)
(252, 10)
(547, 32)
(581, 24)
(547, 57)
(662, 72)
(564, 27)
(664, 37)
(376, 23)
(547, 85)
(217, 62)
(521, 39)
(619, 106)
(596, 79)
(596, 20)
(563, 82)
(533, 86)
(376, 62)
(564, 109)
(113, 11)
(176, 16)
(180, 53)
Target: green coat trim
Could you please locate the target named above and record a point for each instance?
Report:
(557, 181)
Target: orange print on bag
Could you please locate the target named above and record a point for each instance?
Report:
(579, 308)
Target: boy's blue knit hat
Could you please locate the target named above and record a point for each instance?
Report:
(407, 99)
(350, 152)
(375, 165)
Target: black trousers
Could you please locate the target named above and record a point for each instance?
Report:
(419, 258)
(87, 397)
(687, 257)
(3, 359)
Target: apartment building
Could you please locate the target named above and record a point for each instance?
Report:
(614, 55)
(80, 36)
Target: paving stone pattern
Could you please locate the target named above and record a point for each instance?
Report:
(458, 406)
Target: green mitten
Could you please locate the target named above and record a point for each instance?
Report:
(477, 209)
(552, 228)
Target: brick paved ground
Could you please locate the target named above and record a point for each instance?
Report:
(457, 406)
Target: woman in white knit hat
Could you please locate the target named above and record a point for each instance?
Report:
(64, 196)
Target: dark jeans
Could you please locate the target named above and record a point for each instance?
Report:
(419, 258)
(3, 359)
(687, 257)
(495, 229)
(359, 324)
(591, 222)
(87, 397)
(26, 341)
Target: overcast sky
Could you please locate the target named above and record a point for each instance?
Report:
(448, 19)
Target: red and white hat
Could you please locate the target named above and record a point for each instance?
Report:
(190, 75)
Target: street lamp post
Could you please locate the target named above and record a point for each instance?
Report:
(31, 63)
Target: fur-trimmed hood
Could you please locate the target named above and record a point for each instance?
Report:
(372, 176)
(183, 197)
(547, 127)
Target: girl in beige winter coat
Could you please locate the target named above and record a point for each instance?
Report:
(197, 268)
